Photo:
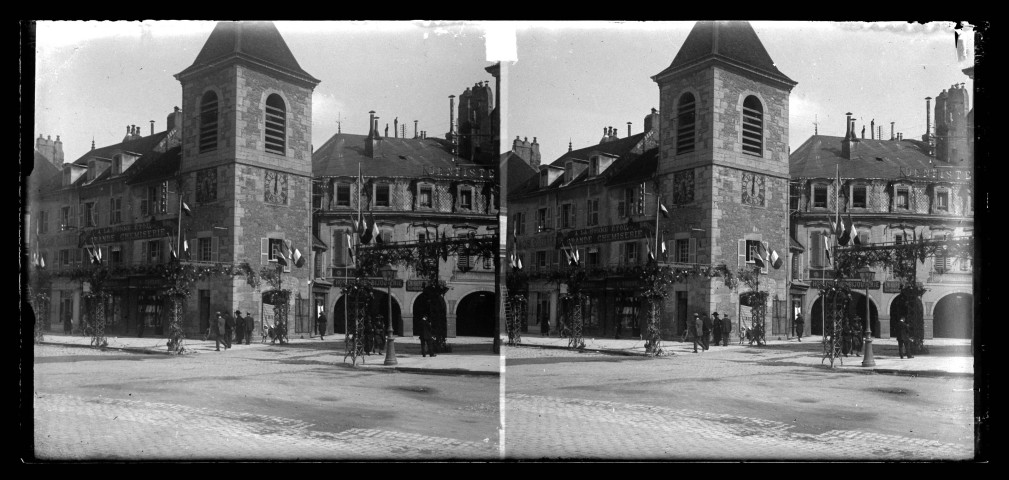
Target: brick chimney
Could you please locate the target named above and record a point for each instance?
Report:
(628, 129)
(872, 129)
(927, 138)
(892, 135)
(371, 142)
(152, 127)
(847, 142)
(395, 128)
(414, 129)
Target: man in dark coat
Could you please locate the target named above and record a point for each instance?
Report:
(320, 324)
(707, 331)
(695, 327)
(716, 328)
(239, 327)
(726, 329)
(904, 339)
(426, 340)
(229, 326)
(800, 324)
(250, 325)
(218, 327)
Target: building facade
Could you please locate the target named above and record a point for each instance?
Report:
(415, 190)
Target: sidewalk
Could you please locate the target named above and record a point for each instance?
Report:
(469, 356)
(947, 357)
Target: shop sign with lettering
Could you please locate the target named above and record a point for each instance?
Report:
(459, 172)
(124, 233)
(604, 234)
(949, 174)
(375, 282)
(853, 284)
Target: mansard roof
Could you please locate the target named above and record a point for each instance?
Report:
(734, 43)
(870, 159)
(257, 42)
(394, 157)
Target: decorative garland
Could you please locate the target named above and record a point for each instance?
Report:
(359, 293)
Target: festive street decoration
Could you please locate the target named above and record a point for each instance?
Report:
(517, 303)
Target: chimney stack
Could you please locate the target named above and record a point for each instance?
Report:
(371, 141)
(928, 120)
(628, 129)
(872, 129)
(849, 137)
(152, 127)
(451, 115)
(879, 132)
(414, 129)
(892, 135)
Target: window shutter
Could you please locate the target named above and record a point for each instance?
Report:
(588, 213)
(816, 254)
(264, 245)
(622, 252)
(80, 215)
(767, 250)
(740, 253)
(574, 215)
(144, 253)
(215, 245)
(692, 254)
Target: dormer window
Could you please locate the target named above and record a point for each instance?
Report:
(819, 196)
(569, 170)
(382, 195)
(343, 194)
(466, 198)
(901, 196)
(544, 178)
(117, 165)
(858, 196)
(594, 167)
(425, 196)
(92, 170)
(941, 200)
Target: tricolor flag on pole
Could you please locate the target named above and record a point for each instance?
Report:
(350, 246)
(185, 208)
(776, 261)
(845, 233)
(760, 255)
(375, 232)
(299, 260)
(826, 247)
(662, 247)
(185, 249)
(663, 211)
(853, 233)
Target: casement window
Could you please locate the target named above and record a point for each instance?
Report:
(685, 250)
(270, 248)
(43, 222)
(520, 223)
(819, 196)
(151, 251)
(593, 257)
(382, 195)
(901, 195)
(90, 214)
(342, 194)
(65, 258)
(565, 216)
(626, 206)
(208, 122)
(466, 199)
(66, 218)
(753, 126)
(425, 196)
(592, 213)
(859, 196)
(115, 210)
(276, 125)
(747, 250)
(341, 249)
(541, 259)
(794, 193)
(629, 253)
(542, 219)
(686, 113)
(942, 200)
(115, 255)
(204, 248)
(156, 200)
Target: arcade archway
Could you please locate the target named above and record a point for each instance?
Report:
(378, 306)
(422, 307)
(898, 310)
(953, 316)
(855, 307)
(475, 315)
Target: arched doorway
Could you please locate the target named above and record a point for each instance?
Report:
(475, 315)
(953, 316)
(378, 306)
(422, 307)
(898, 310)
(857, 307)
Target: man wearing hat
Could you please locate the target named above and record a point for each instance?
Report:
(707, 331)
(218, 328)
(250, 325)
(716, 328)
(696, 327)
(229, 327)
(320, 324)
(239, 327)
(726, 329)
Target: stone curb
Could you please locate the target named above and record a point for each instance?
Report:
(428, 371)
(596, 350)
(148, 351)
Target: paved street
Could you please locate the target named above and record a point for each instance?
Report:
(728, 404)
(254, 402)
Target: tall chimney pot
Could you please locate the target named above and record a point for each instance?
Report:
(628, 129)
(893, 136)
(152, 127)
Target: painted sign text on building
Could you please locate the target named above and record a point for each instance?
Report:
(951, 174)
(124, 233)
(459, 172)
(604, 234)
(854, 284)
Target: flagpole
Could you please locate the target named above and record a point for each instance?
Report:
(178, 240)
(657, 203)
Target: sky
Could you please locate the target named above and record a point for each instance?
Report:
(563, 80)
(95, 78)
(573, 79)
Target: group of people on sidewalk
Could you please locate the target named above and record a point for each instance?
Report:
(701, 329)
(225, 327)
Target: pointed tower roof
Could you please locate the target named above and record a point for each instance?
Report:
(732, 43)
(258, 43)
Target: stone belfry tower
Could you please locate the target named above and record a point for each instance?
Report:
(723, 165)
(246, 161)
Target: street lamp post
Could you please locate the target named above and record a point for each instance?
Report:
(389, 274)
(867, 275)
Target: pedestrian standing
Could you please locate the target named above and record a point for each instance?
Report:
(68, 324)
(239, 328)
(229, 326)
(716, 328)
(707, 330)
(545, 325)
(320, 323)
(141, 326)
(250, 325)
(726, 329)
(799, 325)
(425, 337)
(696, 327)
(904, 339)
(219, 327)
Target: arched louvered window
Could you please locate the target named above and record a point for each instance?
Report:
(753, 126)
(276, 125)
(686, 114)
(208, 122)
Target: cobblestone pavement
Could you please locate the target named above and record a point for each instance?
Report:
(116, 429)
(253, 404)
(718, 406)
